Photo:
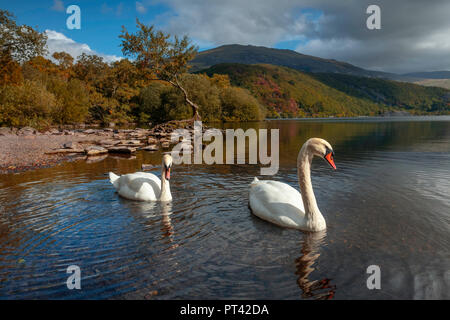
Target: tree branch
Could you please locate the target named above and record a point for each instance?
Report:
(195, 107)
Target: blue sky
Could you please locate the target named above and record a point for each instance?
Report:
(415, 34)
(101, 21)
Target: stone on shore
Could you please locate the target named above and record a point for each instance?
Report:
(125, 150)
(26, 131)
(152, 140)
(6, 131)
(130, 142)
(109, 142)
(165, 144)
(95, 150)
(56, 151)
(68, 147)
(55, 132)
(34, 149)
(71, 145)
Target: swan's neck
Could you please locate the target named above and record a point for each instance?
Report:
(312, 212)
(165, 188)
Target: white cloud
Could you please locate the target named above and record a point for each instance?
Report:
(140, 7)
(57, 42)
(58, 5)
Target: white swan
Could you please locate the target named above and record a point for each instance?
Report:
(283, 205)
(144, 186)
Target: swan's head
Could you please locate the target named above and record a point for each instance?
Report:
(167, 165)
(321, 148)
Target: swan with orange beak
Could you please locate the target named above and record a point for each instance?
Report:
(283, 205)
(145, 186)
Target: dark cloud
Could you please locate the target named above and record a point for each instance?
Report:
(415, 34)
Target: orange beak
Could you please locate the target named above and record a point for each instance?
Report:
(330, 160)
(167, 176)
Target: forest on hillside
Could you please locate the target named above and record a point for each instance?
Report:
(41, 91)
(152, 84)
(291, 93)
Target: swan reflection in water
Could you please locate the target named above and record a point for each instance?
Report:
(316, 289)
(149, 210)
(167, 227)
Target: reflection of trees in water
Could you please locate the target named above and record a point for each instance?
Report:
(316, 289)
(351, 136)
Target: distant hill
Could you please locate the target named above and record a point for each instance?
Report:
(249, 54)
(443, 83)
(429, 75)
(287, 92)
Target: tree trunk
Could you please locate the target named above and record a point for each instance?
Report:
(195, 114)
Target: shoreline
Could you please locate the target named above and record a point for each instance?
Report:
(377, 118)
(28, 152)
(28, 149)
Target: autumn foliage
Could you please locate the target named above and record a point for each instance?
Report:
(38, 90)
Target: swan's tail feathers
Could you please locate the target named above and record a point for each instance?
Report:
(255, 181)
(114, 178)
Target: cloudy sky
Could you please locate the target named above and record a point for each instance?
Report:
(414, 35)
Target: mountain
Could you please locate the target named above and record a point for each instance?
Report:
(249, 54)
(429, 75)
(287, 92)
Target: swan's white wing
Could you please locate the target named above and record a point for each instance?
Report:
(139, 186)
(277, 202)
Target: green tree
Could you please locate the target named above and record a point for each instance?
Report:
(160, 56)
(72, 101)
(203, 91)
(27, 105)
(21, 42)
(150, 103)
(90, 69)
(239, 105)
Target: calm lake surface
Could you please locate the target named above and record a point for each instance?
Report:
(387, 204)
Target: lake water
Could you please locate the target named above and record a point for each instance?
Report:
(387, 204)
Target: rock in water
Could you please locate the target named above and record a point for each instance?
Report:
(146, 166)
(126, 150)
(152, 147)
(95, 150)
